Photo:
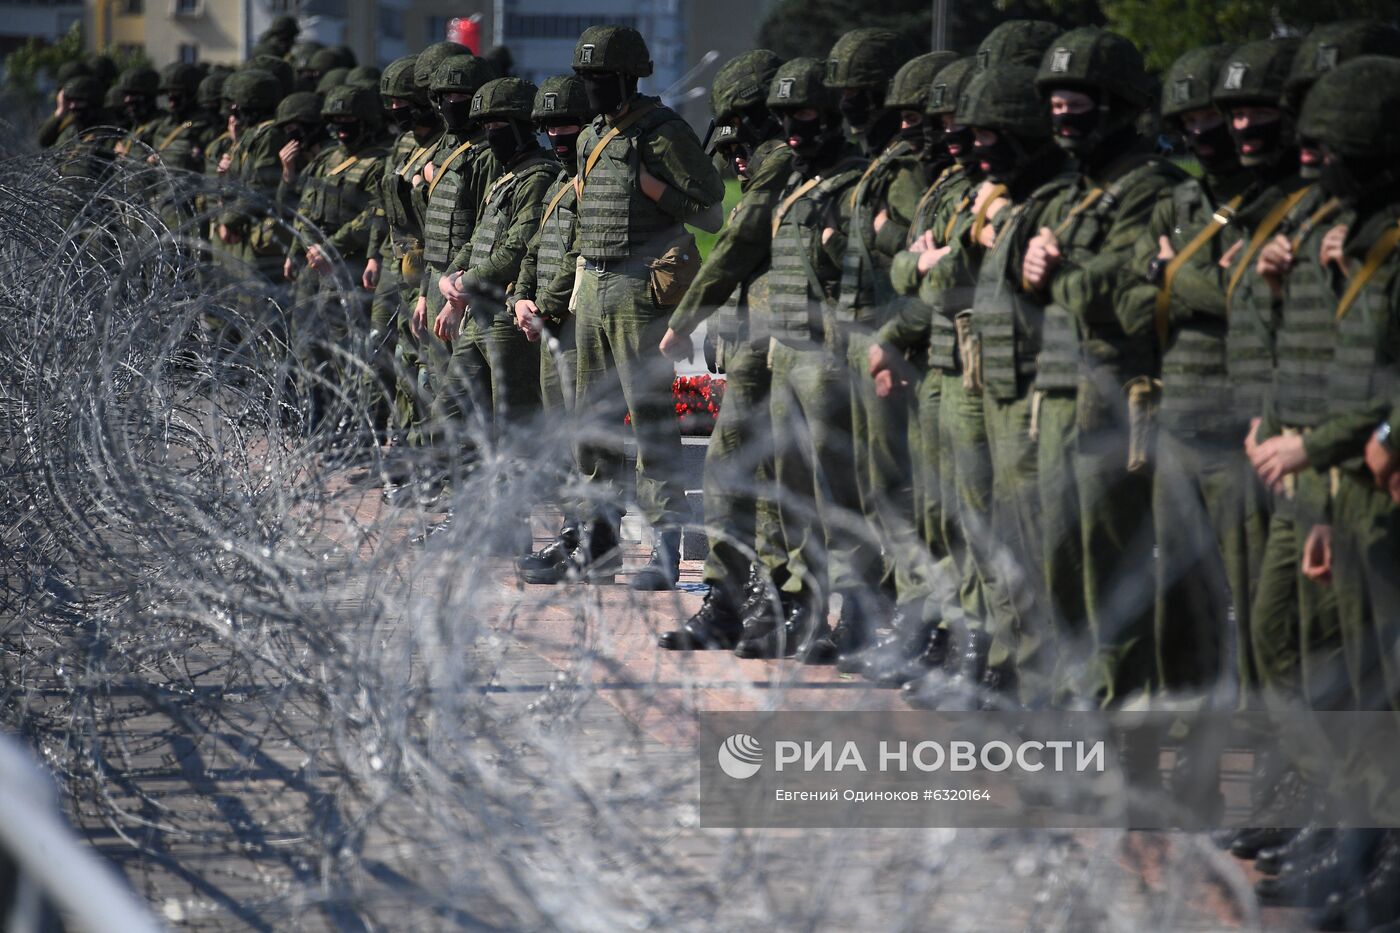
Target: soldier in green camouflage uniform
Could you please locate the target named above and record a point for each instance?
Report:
(82, 153)
(494, 369)
(393, 264)
(643, 175)
(1096, 378)
(137, 88)
(1207, 512)
(337, 192)
(255, 167)
(455, 181)
(740, 515)
(818, 507)
(543, 295)
(861, 67)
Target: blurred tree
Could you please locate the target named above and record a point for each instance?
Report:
(36, 60)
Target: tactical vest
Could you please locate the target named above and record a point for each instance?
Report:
(1066, 346)
(865, 281)
(495, 212)
(616, 219)
(1363, 369)
(735, 320)
(448, 218)
(796, 300)
(556, 231)
(1008, 322)
(1307, 334)
(1251, 315)
(396, 185)
(339, 192)
(956, 188)
(1195, 376)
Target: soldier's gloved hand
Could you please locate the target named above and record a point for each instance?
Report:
(527, 318)
(448, 322)
(1275, 261)
(1042, 259)
(1317, 554)
(676, 347)
(318, 260)
(418, 322)
(370, 278)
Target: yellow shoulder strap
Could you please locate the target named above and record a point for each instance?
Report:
(173, 135)
(792, 199)
(622, 126)
(553, 204)
(980, 219)
(1207, 233)
(1266, 229)
(1378, 253)
(447, 163)
(957, 212)
(342, 166)
(1328, 208)
(412, 165)
(1089, 201)
(864, 177)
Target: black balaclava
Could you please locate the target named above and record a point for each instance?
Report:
(1214, 148)
(1013, 158)
(179, 106)
(913, 135)
(509, 141)
(818, 141)
(1099, 133)
(139, 109)
(456, 114)
(1268, 139)
(607, 91)
(565, 149)
(755, 125)
(1361, 182)
(349, 133)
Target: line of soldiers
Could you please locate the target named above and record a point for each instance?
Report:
(1048, 417)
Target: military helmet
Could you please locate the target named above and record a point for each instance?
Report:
(345, 56)
(947, 86)
(113, 99)
(303, 52)
(1094, 60)
(140, 81)
(799, 84)
(366, 76)
(1004, 97)
(179, 78)
(561, 97)
(331, 80)
(1191, 79)
(504, 99)
(211, 90)
(866, 57)
(1017, 42)
(910, 85)
(103, 69)
(742, 82)
(1354, 109)
(464, 74)
(285, 26)
(1255, 73)
(299, 107)
(279, 68)
(1333, 44)
(618, 49)
(430, 58)
(397, 81)
(322, 61)
(71, 70)
(499, 58)
(362, 103)
(83, 87)
(254, 90)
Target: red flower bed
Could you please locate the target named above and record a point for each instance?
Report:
(697, 401)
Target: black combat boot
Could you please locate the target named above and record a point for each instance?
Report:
(596, 558)
(1373, 903)
(1339, 866)
(853, 633)
(1303, 846)
(715, 626)
(549, 560)
(757, 625)
(662, 570)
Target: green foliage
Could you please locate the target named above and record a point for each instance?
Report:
(25, 65)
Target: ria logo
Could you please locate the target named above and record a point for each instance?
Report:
(740, 756)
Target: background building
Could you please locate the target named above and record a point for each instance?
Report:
(36, 19)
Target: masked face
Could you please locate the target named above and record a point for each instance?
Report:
(564, 141)
(1310, 159)
(934, 145)
(1258, 134)
(137, 106)
(606, 91)
(1355, 180)
(505, 140)
(294, 132)
(456, 110)
(911, 129)
(346, 132)
(958, 142)
(756, 124)
(400, 116)
(1209, 140)
(997, 155)
(857, 108)
(810, 136)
